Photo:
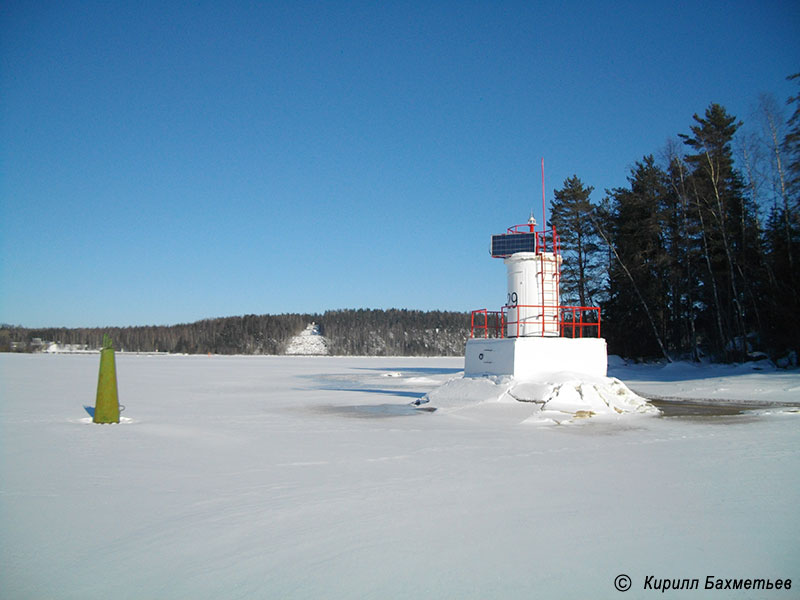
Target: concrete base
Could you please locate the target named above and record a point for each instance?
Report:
(531, 358)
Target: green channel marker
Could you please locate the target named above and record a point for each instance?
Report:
(106, 407)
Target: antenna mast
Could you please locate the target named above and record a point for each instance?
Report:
(544, 209)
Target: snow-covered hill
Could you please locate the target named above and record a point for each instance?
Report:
(310, 342)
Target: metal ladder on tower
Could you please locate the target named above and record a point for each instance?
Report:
(550, 298)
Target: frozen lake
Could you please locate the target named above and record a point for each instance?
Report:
(303, 477)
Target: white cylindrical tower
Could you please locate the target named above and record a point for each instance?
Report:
(533, 336)
(533, 297)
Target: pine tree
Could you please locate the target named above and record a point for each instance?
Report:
(684, 249)
(728, 227)
(782, 243)
(639, 306)
(582, 271)
(791, 147)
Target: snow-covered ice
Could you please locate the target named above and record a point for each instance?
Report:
(314, 477)
(754, 382)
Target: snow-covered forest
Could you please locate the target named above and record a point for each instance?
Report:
(361, 332)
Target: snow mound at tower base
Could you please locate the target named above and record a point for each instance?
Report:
(559, 398)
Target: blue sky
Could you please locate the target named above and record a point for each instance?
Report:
(170, 161)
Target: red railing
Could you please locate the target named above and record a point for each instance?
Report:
(541, 242)
(497, 328)
(577, 323)
(572, 322)
(525, 228)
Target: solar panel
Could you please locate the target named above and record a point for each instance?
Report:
(506, 244)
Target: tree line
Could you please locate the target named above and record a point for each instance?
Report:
(393, 332)
(699, 253)
(396, 332)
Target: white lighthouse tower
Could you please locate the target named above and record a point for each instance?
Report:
(533, 334)
(533, 287)
(535, 350)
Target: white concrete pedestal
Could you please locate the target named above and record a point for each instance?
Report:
(531, 358)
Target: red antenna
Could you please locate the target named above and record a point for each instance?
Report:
(544, 209)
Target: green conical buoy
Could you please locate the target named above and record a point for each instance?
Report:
(106, 407)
